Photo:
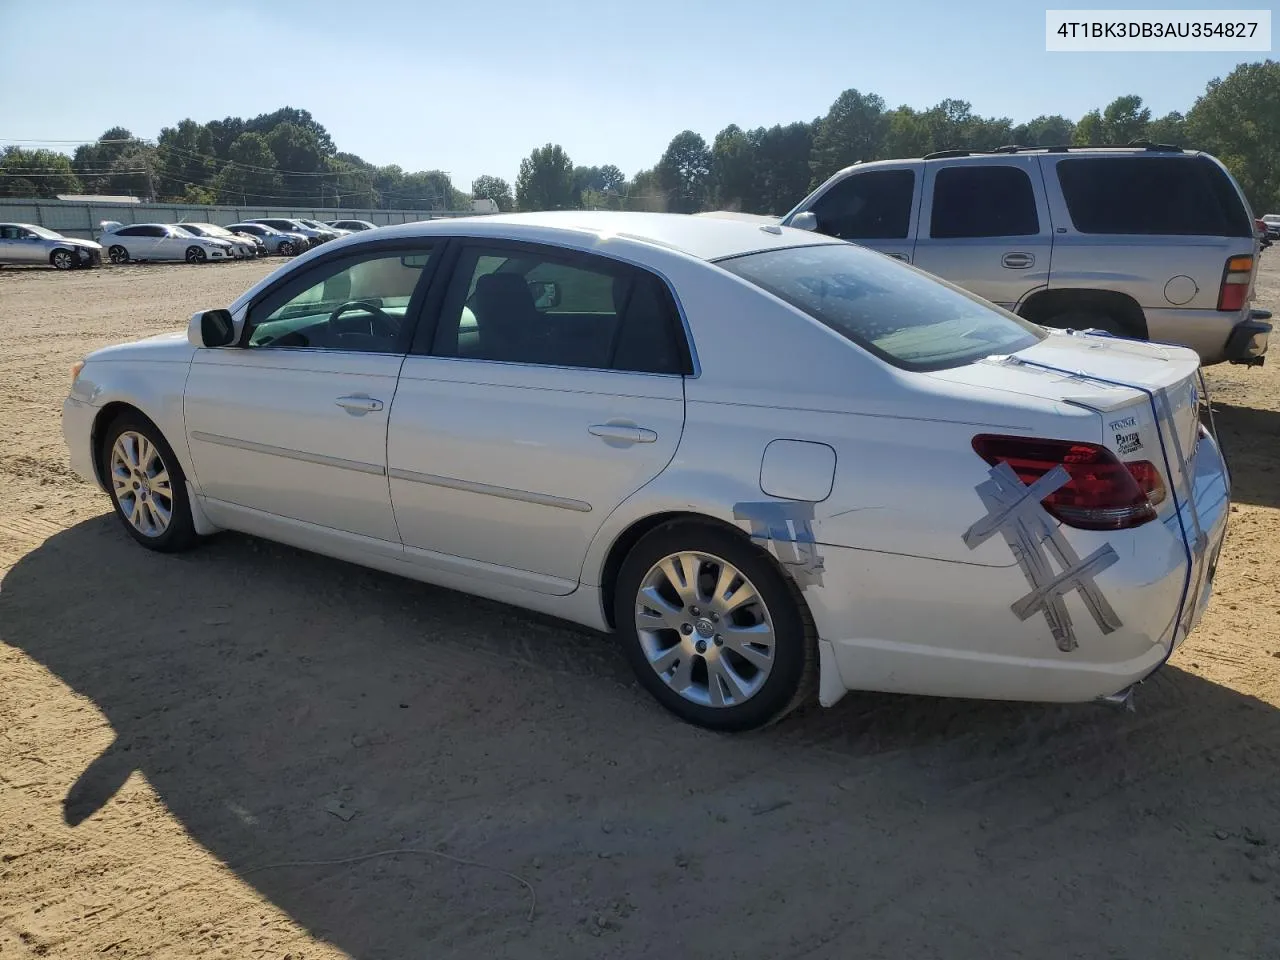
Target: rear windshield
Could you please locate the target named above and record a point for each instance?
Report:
(1172, 196)
(900, 314)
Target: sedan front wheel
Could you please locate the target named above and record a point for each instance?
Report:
(713, 628)
(195, 255)
(147, 485)
(62, 260)
(118, 254)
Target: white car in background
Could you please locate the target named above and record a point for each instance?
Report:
(352, 226)
(774, 463)
(242, 248)
(159, 241)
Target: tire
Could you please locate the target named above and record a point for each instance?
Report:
(705, 651)
(1088, 320)
(287, 249)
(117, 254)
(62, 259)
(134, 454)
(196, 255)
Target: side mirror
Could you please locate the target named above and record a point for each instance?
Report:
(546, 294)
(805, 220)
(211, 328)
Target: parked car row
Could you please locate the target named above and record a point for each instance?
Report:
(30, 244)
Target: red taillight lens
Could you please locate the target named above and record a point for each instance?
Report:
(1233, 293)
(1103, 493)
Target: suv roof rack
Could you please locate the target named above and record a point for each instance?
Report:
(1058, 148)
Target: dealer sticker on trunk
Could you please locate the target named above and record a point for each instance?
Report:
(1128, 443)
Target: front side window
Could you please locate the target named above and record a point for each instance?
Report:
(875, 205)
(559, 309)
(901, 314)
(983, 201)
(358, 303)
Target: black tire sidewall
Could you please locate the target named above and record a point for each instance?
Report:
(286, 248)
(122, 257)
(791, 639)
(195, 255)
(180, 533)
(53, 259)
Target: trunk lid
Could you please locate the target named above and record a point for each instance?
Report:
(1122, 381)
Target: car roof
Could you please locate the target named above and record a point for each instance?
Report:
(706, 238)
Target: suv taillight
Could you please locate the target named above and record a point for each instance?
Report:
(1102, 494)
(1235, 283)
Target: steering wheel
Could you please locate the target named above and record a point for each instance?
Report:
(381, 323)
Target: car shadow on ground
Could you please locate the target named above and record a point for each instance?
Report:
(257, 688)
(1250, 438)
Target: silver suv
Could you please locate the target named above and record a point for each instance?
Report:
(1146, 241)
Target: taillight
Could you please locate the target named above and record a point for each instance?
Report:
(1102, 494)
(1235, 283)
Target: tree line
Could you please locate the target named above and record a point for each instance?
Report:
(288, 158)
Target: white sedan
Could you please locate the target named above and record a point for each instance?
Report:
(159, 241)
(774, 464)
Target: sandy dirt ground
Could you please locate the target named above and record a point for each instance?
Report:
(184, 740)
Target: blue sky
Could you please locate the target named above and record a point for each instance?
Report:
(472, 88)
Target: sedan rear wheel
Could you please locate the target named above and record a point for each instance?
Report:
(147, 485)
(712, 627)
(195, 255)
(62, 259)
(118, 254)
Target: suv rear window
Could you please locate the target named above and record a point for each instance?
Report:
(1171, 196)
(900, 314)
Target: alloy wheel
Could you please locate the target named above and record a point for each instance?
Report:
(705, 629)
(140, 482)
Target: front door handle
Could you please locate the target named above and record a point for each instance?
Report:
(905, 258)
(359, 405)
(622, 433)
(1018, 261)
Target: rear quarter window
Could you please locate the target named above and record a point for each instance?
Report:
(1170, 196)
(900, 314)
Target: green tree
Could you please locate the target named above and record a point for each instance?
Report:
(496, 189)
(133, 173)
(92, 162)
(184, 158)
(250, 176)
(301, 163)
(1044, 131)
(733, 169)
(1238, 120)
(36, 173)
(545, 181)
(853, 129)
(782, 154)
(1171, 128)
(1124, 120)
(267, 122)
(684, 172)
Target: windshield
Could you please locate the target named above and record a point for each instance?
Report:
(42, 232)
(212, 230)
(183, 231)
(901, 314)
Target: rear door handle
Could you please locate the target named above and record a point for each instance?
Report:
(358, 405)
(1018, 261)
(622, 432)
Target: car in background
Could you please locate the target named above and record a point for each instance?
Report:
(243, 248)
(27, 243)
(286, 244)
(778, 466)
(1271, 223)
(159, 241)
(352, 226)
(313, 236)
(1147, 242)
(324, 228)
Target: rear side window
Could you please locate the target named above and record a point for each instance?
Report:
(875, 205)
(978, 201)
(1172, 196)
(900, 314)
